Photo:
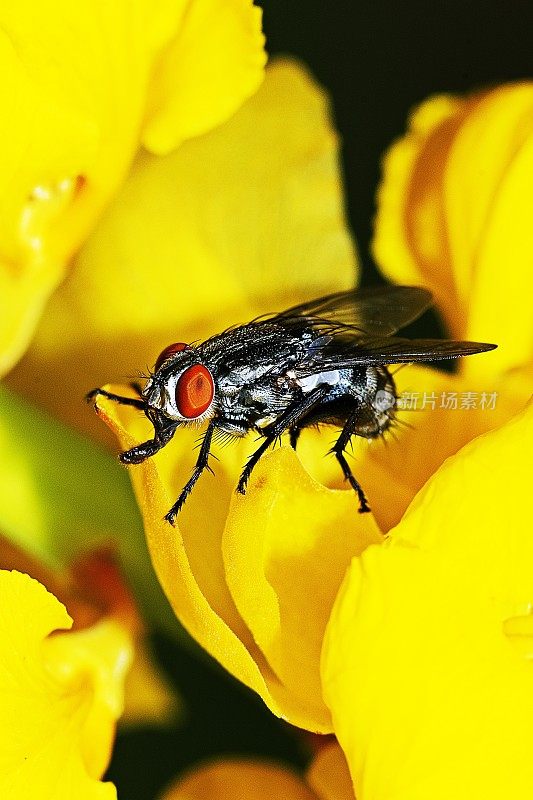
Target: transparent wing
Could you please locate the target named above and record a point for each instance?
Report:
(378, 310)
(341, 352)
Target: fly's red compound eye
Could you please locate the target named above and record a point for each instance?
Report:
(169, 351)
(194, 391)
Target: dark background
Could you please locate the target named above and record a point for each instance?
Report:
(378, 60)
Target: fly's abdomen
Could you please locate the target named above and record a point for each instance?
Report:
(378, 411)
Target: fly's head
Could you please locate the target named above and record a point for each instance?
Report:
(181, 389)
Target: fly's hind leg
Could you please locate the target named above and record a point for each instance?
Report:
(288, 420)
(338, 449)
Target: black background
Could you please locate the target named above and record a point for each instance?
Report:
(378, 60)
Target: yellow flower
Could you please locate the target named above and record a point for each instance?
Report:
(327, 779)
(454, 213)
(95, 579)
(429, 645)
(258, 575)
(61, 695)
(82, 87)
(254, 580)
(243, 220)
(428, 656)
(97, 596)
(241, 235)
(197, 240)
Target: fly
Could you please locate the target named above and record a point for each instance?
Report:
(322, 362)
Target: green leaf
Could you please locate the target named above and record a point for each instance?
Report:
(60, 495)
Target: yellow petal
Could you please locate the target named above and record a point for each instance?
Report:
(148, 695)
(329, 776)
(410, 238)
(430, 694)
(79, 84)
(428, 698)
(246, 219)
(73, 91)
(286, 547)
(454, 211)
(95, 592)
(483, 489)
(254, 590)
(440, 414)
(203, 77)
(327, 779)
(99, 656)
(60, 696)
(97, 578)
(242, 779)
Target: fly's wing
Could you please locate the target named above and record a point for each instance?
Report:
(342, 352)
(282, 340)
(375, 311)
(354, 328)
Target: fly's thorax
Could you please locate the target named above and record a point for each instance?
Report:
(252, 395)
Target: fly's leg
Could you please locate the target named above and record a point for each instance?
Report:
(294, 435)
(137, 388)
(201, 464)
(141, 452)
(338, 448)
(252, 461)
(289, 418)
(124, 401)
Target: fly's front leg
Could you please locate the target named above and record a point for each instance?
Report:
(136, 386)
(338, 448)
(141, 452)
(290, 417)
(201, 464)
(124, 401)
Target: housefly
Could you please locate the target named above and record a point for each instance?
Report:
(322, 362)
